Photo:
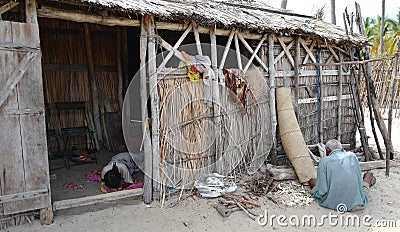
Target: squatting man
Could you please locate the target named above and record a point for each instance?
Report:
(339, 180)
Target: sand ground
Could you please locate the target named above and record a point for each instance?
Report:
(197, 214)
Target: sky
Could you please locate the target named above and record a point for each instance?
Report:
(369, 8)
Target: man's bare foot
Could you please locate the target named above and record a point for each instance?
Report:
(368, 176)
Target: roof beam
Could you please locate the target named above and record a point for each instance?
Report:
(8, 6)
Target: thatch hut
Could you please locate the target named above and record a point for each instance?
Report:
(92, 49)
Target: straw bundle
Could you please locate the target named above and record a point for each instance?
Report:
(292, 139)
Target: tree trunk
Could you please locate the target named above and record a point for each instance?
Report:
(381, 38)
(333, 12)
(284, 4)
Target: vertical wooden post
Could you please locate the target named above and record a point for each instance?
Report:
(153, 82)
(215, 96)
(31, 14)
(321, 102)
(237, 48)
(125, 59)
(392, 87)
(46, 214)
(339, 110)
(119, 70)
(271, 69)
(297, 75)
(148, 157)
(93, 82)
(197, 39)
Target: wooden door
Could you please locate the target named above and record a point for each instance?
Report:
(24, 172)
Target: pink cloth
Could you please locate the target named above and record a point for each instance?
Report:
(94, 175)
(132, 186)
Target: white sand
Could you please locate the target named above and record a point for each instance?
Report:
(198, 214)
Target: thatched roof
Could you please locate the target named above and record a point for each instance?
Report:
(250, 14)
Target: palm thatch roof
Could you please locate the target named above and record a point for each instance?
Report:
(246, 14)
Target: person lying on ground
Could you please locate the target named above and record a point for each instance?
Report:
(339, 180)
(121, 167)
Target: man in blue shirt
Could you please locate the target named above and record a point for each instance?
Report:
(339, 180)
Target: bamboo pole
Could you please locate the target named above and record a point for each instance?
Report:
(155, 140)
(271, 69)
(216, 98)
(93, 82)
(119, 70)
(148, 158)
(396, 63)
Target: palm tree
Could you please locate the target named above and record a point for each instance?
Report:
(381, 40)
(393, 33)
(284, 4)
(333, 12)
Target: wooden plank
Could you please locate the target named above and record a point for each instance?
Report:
(11, 171)
(24, 195)
(32, 126)
(325, 99)
(91, 200)
(248, 47)
(18, 47)
(153, 85)
(254, 54)
(174, 48)
(148, 157)
(24, 111)
(238, 55)
(8, 6)
(333, 53)
(226, 50)
(93, 82)
(16, 76)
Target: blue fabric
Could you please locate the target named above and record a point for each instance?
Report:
(339, 181)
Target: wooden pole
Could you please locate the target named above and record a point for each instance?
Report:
(374, 100)
(339, 121)
(392, 92)
(148, 157)
(119, 70)
(197, 39)
(153, 84)
(271, 69)
(125, 59)
(93, 82)
(216, 97)
(237, 48)
(297, 62)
